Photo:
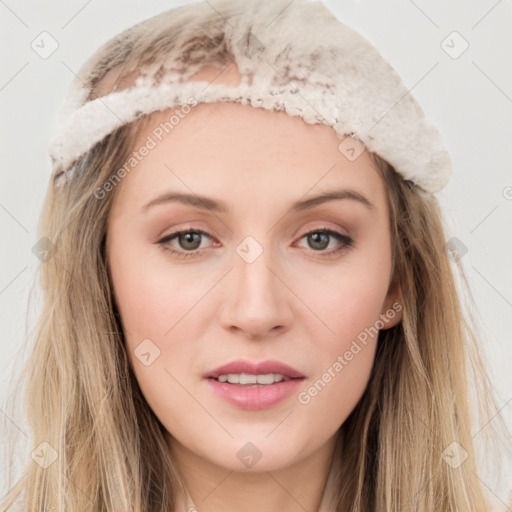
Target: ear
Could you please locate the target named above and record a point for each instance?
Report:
(392, 309)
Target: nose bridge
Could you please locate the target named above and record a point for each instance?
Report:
(257, 299)
(255, 281)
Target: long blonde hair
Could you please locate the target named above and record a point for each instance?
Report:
(84, 407)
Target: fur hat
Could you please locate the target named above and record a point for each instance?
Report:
(292, 56)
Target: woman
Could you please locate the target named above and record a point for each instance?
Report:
(249, 301)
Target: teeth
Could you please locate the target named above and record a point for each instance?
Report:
(245, 378)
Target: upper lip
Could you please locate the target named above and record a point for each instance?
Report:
(262, 368)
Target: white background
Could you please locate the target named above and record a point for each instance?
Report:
(468, 98)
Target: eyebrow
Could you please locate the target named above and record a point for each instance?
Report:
(207, 203)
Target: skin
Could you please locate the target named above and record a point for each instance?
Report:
(291, 304)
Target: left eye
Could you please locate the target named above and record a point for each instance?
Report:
(190, 241)
(319, 236)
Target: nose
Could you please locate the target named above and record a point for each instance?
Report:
(257, 302)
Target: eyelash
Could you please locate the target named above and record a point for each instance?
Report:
(346, 241)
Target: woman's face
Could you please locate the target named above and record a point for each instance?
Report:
(262, 283)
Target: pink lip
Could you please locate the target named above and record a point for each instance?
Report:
(255, 396)
(265, 367)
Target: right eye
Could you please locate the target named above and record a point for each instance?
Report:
(188, 238)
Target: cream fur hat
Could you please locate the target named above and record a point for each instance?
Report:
(294, 56)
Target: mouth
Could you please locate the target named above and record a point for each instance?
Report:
(254, 386)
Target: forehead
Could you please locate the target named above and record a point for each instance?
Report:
(242, 154)
(227, 147)
(212, 147)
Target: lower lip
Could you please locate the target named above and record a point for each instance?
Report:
(255, 396)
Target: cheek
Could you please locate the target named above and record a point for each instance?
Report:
(151, 307)
(344, 357)
(156, 305)
(151, 299)
(330, 396)
(349, 305)
(350, 296)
